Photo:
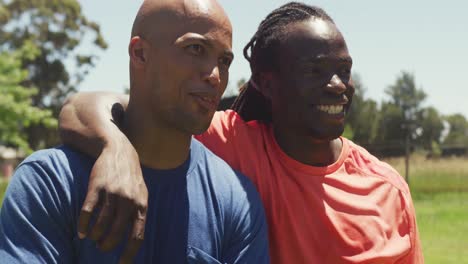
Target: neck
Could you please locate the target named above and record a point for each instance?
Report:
(307, 149)
(159, 146)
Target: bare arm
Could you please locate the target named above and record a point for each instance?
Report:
(88, 123)
(117, 193)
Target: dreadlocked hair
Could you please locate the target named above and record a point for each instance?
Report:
(251, 104)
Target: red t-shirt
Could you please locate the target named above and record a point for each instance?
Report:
(357, 210)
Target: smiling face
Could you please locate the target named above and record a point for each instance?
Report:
(185, 71)
(312, 88)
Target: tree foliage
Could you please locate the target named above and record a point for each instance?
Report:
(401, 113)
(458, 135)
(61, 34)
(363, 116)
(16, 110)
(383, 127)
(56, 28)
(432, 127)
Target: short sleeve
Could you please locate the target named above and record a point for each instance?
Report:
(35, 224)
(415, 255)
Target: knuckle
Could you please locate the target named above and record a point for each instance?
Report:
(121, 193)
(137, 238)
(141, 203)
(87, 208)
(141, 210)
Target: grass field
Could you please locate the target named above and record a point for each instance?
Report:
(440, 193)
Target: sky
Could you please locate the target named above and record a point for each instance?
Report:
(426, 38)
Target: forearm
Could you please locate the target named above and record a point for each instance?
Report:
(87, 121)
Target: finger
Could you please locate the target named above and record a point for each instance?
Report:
(116, 233)
(104, 219)
(136, 237)
(89, 205)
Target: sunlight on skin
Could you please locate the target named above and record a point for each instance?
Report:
(203, 6)
(322, 28)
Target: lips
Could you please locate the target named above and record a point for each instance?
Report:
(332, 112)
(330, 109)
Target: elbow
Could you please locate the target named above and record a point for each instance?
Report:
(67, 113)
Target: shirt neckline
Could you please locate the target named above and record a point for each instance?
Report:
(299, 166)
(173, 175)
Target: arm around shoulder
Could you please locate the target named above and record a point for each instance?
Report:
(89, 121)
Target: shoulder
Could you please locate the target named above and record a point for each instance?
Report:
(220, 174)
(230, 120)
(58, 156)
(371, 165)
(54, 166)
(45, 186)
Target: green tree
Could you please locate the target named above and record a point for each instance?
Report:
(363, 117)
(16, 110)
(57, 28)
(458, 134)
(431, 129)
(401, 114)
(390, 128)
(405, 95)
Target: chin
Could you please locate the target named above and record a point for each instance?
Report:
(193, 124)
(327, 134)
(200, 130)
(199, 126)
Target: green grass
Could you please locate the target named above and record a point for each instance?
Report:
(443, 227)
(440, 192)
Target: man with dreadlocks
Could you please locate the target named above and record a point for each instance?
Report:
(327, 200)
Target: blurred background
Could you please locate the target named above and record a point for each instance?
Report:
(410, 64)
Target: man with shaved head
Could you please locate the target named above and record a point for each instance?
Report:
(199, 210)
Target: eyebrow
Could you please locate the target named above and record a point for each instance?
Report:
(227, 52)
(321, 58)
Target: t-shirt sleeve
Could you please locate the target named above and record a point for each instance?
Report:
(35, 223)
(415, 255)
(248, 238)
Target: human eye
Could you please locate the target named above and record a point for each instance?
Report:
(313, 70)
(195, 49)
(345, 72)
(225, 61)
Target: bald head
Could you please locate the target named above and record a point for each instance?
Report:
(180, 53)
(157, 16)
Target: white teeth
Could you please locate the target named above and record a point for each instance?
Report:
(330, 109)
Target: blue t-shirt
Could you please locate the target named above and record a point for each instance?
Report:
(201, 212)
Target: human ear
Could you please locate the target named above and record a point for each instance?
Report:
(266, 84)
(137, 49)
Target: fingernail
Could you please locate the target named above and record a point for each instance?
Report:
(81, 235)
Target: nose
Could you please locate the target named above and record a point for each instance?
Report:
(336, 85)
(213, 77)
